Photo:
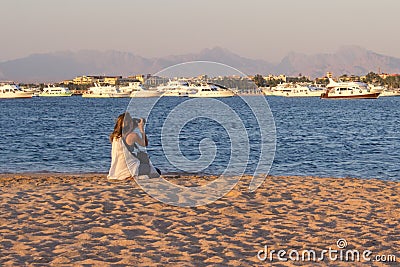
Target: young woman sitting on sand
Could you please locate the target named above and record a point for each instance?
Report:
(124, 161)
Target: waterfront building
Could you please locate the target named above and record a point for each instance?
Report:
(271, 77)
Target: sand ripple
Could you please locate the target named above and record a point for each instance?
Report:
(63, 220)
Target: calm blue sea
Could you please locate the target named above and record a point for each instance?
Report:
(335, 138)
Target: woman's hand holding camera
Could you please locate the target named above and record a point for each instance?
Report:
(141, 125)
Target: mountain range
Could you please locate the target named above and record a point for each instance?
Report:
(57, 66)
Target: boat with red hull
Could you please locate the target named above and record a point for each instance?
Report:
(348, 90)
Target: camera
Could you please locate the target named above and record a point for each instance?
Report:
(137, 120)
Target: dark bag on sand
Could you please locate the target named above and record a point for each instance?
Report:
(144, 167)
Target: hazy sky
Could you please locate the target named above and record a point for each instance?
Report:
(253, 28)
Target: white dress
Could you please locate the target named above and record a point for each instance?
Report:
(123, 163)
(120, 159)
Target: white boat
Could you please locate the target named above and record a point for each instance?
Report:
(295, 90)
(136, 89)
(176, 88)
(55, 91)
(11, 90)
(268, 91)
(383, 90)
(119, 94)
(376, 88)
(35, 91)
(390, 92)
(249, 92)
(211, 90)
(348, 90)
(104, 91)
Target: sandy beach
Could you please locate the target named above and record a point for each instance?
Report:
(63, 220)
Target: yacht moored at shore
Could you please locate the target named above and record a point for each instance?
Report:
(294, 90)
(348, 90)
(211, 90)
(384, 91)
(35, 91)
(136, 89)
(11, 90)
(55, 91)
(104, 91)
(390, 92)
(176, 88)
(119, 94)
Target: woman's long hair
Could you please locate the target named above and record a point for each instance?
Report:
(121, 124)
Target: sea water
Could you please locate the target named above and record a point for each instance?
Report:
(328, 138)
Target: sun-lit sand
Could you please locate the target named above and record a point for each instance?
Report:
(62, 220)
